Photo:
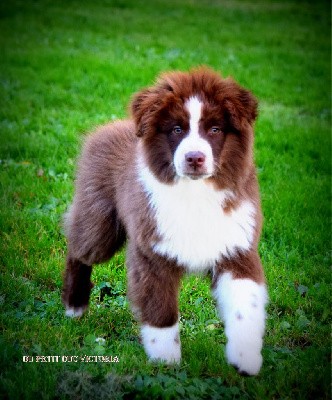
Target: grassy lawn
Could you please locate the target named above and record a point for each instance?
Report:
(67, 66)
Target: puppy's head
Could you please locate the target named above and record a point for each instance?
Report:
(196, 125)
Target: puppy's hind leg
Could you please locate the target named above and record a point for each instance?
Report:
(92, 238)
(77, 287)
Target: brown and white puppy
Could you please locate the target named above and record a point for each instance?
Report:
(178, 182)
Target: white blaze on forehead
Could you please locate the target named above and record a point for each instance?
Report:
(193, 141)
(194, 106)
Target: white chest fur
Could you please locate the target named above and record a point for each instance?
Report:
(191, 222)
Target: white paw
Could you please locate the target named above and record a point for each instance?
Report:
(246, 359)
(162, 344)
(74, 312)
(242, 304)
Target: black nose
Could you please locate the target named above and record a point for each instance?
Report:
(195, 159)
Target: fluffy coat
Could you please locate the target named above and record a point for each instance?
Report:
(178, 183)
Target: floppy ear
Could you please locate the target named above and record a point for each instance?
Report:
(139, 105)
(143, 107)
(241, 106)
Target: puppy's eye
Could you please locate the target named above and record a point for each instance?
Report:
(177, 130)
(215, 130)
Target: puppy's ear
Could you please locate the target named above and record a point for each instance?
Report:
(143, 106)
(139, 105)
(241, 106)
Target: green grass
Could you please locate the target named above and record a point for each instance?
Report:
(67, 66)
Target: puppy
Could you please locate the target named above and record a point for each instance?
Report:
(177, 181)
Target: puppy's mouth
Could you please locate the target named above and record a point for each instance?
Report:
(196, 175)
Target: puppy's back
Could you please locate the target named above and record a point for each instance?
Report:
(93, 228)
(106, 153)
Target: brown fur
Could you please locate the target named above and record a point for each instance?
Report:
(110, 206)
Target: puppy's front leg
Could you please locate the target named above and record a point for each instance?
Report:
(241, 302)
(153, 285)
